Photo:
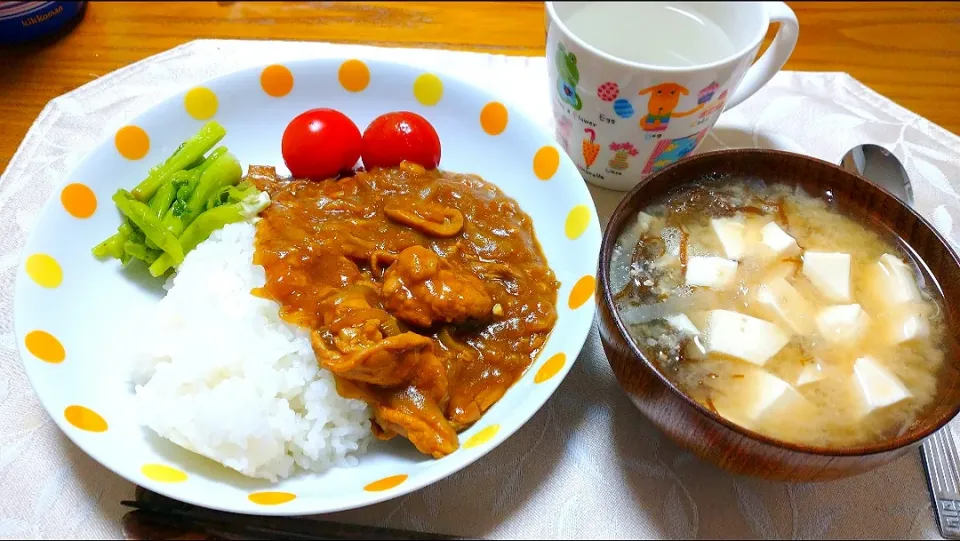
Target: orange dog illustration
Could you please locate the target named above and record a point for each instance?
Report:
(662, 106)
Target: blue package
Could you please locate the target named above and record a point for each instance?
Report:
(27, 21)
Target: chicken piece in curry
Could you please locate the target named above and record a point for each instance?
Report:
(426, 292)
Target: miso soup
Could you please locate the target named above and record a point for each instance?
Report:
(779, 313)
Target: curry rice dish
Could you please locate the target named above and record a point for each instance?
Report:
(393, 302)
(426, 292)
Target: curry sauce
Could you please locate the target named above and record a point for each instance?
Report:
(426, 292)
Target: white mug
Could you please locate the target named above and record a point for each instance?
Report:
(620, 120)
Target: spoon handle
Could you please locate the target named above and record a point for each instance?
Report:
(942, 463)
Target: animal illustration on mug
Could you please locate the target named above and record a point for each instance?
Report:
(568, 75)
(663, 106)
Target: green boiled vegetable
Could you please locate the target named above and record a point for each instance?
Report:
(143, 218)
(216, 153)
(163, 199)
(187, 154)
(211, 220)
(224, 171)
(185, 190)
(167, 193)
(231, 194)
(112, 247)
(180, 203)
(135, 249)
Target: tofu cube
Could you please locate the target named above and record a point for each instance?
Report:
(712, 272)
(779, 301)
(909, 323)
(639, 227)
(778, 241)
(732, 236)
(878, 387)
(899, 282)
(829, 272)
(743, 337)
(644, 221)
(811, 373)
(842, 324)
(757, 394)
(683, 324)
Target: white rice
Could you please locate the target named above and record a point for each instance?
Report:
(219, 373)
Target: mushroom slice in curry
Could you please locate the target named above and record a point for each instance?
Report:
(426, 292)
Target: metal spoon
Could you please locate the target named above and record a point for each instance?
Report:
(881, 167)
(939, 451)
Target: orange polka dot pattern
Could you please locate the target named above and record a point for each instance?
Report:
(546, 162)
(45, 347)
(276, 80)
(271, 498)
(85, 419)
(482, 437)
(550, 368)
(493, 118)
(78, 200)
(582, 291)
(386, 483)
(354, 75)
(132, 142)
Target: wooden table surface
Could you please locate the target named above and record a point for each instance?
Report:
(908, 51)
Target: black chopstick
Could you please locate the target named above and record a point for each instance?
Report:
(156, 516)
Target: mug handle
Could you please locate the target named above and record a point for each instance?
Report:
(776, 55)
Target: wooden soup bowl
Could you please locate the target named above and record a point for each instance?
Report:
(724, 443)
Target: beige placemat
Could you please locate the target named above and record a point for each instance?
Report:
(588, 465)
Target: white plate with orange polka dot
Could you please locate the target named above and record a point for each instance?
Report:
(68, 302)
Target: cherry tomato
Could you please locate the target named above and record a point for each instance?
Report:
(320, 143)
(395, 137)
